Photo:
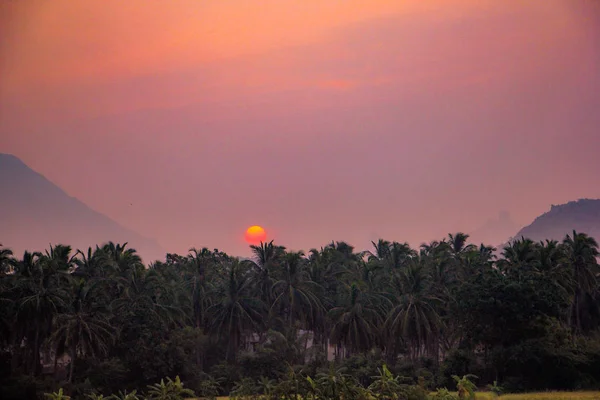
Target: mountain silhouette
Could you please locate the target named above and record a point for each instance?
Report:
(582, 215)
(494, 231)
(35, 213)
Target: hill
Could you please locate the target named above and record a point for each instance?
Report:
(495, 231)
(34, 212)
(582, 215)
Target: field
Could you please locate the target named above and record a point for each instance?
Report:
(528, 396)
(546, 396)
(542, 396)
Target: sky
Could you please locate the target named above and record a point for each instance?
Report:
(189, 121)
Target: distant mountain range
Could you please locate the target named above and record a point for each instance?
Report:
(34, 212)
(495, 231)
(581, 215)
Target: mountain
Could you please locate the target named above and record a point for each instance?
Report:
(495, 231)
(34, 212)
(582, 215)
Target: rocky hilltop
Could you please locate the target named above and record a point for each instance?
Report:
(581, 215)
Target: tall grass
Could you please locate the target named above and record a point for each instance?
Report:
(551, 396)
(528, 396)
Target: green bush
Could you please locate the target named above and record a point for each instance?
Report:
(169, 390)
(443, 394)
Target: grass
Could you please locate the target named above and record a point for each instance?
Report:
(527, 396)
(553, 396)
(540, 396)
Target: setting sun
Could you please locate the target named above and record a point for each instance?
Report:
(255, 234)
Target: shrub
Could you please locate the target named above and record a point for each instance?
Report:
(209, 388)
(466, 388)
(57, 395)
(125, 396)
(244, 389)
(171, 390)
(443, 394)
(494, 388)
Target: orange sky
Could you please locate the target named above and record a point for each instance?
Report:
(318, 119)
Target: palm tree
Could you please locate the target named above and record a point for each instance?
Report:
(295, 293)
(458, 243)
(581, 252)
(390, 256)
(551, 263)
(520, 258)
(459, 248)
(267, 257)
(149, 293)
(59, 259)
(321, 270)
(122, 260)
(478, 258)
(6, 260)
(436, 257)
(7, 263)
(89, 264)
(84, 328)
(236, 311)
(199, 262)
(355, 321)
(414, 318)
(42, 281)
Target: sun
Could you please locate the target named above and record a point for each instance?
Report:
(256, 234)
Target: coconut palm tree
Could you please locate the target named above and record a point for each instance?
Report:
(520, 259)
(89, 264)
(551, 263)
(267, 257)
(42, 285)
(83, 329)
(356, 321)
(7, 260)
(415, 317)
(199, 260)
(458, 250)
(295, 294)
(236, 312)
(581, 252)
(148, 292)
(124, 261)
(390, 256)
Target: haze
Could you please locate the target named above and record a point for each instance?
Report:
(188, 121)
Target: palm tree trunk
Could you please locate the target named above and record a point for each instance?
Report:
(16, 357)
(55, 361)
(72, 353)
(577, 316)
(306, 345)
(36, 352)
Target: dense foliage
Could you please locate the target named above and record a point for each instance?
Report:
(100, 321)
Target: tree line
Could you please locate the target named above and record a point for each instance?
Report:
(101, 321)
